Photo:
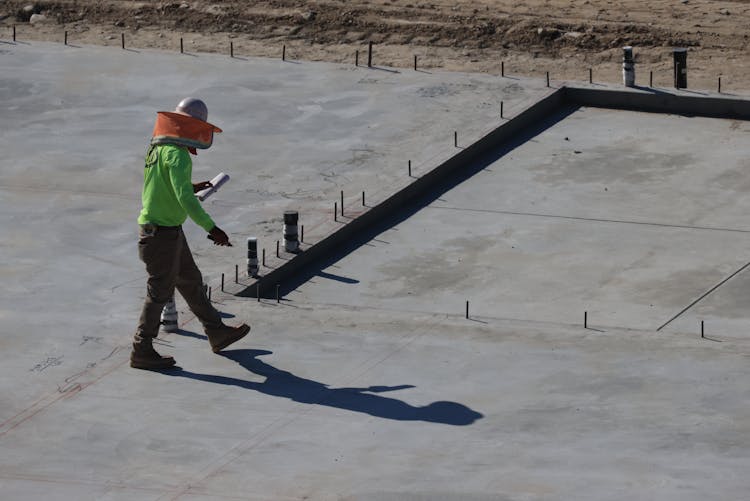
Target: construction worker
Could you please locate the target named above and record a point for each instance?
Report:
(168, 199)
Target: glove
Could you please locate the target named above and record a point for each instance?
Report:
(201, 186)
(218, 236)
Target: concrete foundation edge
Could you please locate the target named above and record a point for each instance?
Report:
(660, 101)
(648, 100)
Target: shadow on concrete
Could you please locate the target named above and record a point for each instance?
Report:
(338, 278)
(284, 384)
(432, 194)
(380, 68)
(187, 333)
(652, 90)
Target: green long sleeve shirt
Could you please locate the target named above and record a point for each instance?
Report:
(168, 197)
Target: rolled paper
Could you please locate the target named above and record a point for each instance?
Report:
(216, 183)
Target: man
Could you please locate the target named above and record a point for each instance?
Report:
(168, 199)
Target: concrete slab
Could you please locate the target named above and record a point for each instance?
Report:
(295, 135)
(606, 211)
(366, 382)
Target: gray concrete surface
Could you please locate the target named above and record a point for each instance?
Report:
(366, 382)
(606, 212)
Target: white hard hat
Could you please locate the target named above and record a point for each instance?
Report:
(193, 107)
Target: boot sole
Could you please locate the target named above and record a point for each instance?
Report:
(140, 364)
(240, 335)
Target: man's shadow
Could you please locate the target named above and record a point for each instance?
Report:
(284, 384)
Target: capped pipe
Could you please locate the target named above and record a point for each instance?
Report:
(169, 316)
(252, 257)
(680, 68)
(628, 67)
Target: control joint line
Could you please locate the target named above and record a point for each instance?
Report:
(592, 219)
(703, 296)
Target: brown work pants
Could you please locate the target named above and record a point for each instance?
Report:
(169, 264)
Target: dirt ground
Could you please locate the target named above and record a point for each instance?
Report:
(565, 38)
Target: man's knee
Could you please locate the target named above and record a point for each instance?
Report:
(159, 295)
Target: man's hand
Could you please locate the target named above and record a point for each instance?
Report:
(219, 237)
(201, 186)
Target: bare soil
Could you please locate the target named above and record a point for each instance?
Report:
(530, 38)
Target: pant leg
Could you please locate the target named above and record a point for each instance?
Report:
(190, 284)
(160, 252)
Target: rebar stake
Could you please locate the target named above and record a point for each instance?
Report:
(264, 256)
(122, 38)
(236, 273)
(231, 50)
(719, 85)
(651, 79)
(585, 319)
(222, 282)
(501, 109)
(455, 139)
(502, 68)
(342, 203)
(335, 211)
(283, 53)
(209, 293)
(302, 233)
(548, 79)
(356, 58)
(467, 309)
(702, 331)
(363, 199)
(66, 38)
(257, 290)
(278, 300)
(14, 32)
(415, 62)
(591, 75)
(277, 249)
(182, 46)
(409, 168)
(369, 55)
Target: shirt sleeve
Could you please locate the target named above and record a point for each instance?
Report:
(180, 173)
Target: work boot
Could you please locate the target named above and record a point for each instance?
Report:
(144, 356)
(225, 335)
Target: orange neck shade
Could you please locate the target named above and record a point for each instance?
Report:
(183, 130)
